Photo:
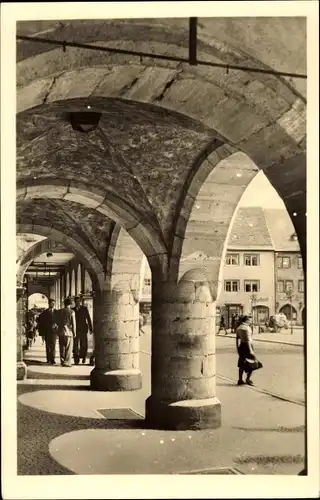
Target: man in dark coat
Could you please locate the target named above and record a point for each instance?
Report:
(48, 329)
(83, 325)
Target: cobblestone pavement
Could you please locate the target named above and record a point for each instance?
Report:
(60, 430)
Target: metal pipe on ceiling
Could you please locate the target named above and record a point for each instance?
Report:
(192, 54)
(193, 41)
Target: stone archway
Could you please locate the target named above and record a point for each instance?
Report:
(34, 251)
(80, 250)
(79, 193)
(37, 291)
(290, 312)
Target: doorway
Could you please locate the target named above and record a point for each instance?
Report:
(260, 315)
(229, 310)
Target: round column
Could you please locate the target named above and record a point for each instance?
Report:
(21, 366)
(61, 291)
(183, 364)
(116, 327)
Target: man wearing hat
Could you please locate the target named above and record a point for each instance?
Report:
(83, 325)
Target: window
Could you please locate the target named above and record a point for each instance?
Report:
(147, 282)
(300, 263)
(288, 285)
(232, 259)
(231, 286)
(252, 286)
(301, 286)
(281, 286)
(251, 260)
(284, 262)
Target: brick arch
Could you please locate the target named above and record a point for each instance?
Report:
(209, 209)
(38, 248)
(82, 253)
(141, 231)
(241, 108)
(127, 262)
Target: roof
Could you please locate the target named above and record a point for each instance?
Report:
(250, 230)
(264, 229)
(281, 230)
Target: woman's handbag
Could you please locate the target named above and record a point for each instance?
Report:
(252, 364)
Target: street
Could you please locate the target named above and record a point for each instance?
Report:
(283, 365)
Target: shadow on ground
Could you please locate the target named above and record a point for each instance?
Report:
(37, 428)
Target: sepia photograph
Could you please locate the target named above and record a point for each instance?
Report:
(160, 202)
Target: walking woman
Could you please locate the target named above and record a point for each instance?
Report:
(67, 329)
(244, 348)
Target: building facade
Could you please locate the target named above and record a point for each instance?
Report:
(289, 274)
(248, 285)
(248, 278)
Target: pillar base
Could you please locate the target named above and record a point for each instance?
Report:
(116, 380)
(21, 370)
(192, 414)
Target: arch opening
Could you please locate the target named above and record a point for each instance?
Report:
(38, 301)
(82, 253)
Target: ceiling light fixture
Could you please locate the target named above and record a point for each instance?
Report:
(84, 121)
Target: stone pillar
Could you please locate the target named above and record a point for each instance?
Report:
(61, 290)
(58, 299)
(76, 288)
(21, 366)
(116, 328)
(183, 368)
(83, 285)
(52, 292)
(67, 284)
(70, 281)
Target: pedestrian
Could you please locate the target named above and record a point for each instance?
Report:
(41, 333)
(67, 329)
(83, 325)
(237, 321)
(48, 329)
(142, 322)
(233, 323)
(222, 325)
(244, 348)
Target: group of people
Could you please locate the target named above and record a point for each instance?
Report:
(235, 321)
(71, 327)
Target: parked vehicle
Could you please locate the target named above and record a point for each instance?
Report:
(277, 322)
